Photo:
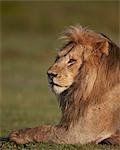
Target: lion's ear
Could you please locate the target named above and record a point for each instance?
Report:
(103, 46)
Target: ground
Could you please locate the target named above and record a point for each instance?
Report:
(43, 146)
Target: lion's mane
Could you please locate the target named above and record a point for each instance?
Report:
(74, 101)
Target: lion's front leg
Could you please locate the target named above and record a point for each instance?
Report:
(39, 134)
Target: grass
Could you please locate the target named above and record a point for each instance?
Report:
(46, 146)
(28, 49)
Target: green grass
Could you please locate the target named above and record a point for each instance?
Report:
(46, 146)
(24, 89)
(29, 32)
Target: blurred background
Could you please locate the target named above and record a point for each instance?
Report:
(29, 41)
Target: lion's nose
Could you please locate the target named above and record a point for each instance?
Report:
(51, 75)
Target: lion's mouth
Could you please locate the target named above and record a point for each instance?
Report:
(52, 84)
(55, 87)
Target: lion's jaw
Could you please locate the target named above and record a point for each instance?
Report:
(63, 72)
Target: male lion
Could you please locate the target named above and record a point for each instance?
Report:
(86, 80)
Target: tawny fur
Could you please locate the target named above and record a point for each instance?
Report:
(91, 104)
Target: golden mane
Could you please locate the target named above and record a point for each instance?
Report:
(73, 101)
(80, 35)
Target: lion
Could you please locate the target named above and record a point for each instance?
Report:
(86, 79)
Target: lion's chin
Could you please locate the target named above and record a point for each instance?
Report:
(58, 90)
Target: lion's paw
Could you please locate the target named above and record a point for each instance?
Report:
(18, 137)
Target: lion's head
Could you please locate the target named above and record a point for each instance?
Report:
(81, 45)
(62, 74)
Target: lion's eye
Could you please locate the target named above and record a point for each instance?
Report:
(71, 62)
